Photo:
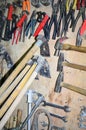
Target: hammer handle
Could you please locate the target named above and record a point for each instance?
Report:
(75, 66)
(75, 48)
(15, 72)
(74, 88)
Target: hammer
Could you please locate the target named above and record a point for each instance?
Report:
(62, 62)
(60, 84)
(60, 46)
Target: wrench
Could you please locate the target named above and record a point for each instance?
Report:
(65, 108)
(63, 118)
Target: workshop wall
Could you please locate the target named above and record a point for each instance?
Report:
(45, 85)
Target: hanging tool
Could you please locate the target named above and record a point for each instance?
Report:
(30, 27)
(37, 114)
(61, 19)
(26, 6)
(2, 23)
(61, 46)
(62, 62)
(65, 108)
(70, 16)
(5, 55)
(60, 84)
(18, 30)
(8, 34)
(67, 5)
(41, 25)
(81, 33)
(53, 19)
(80, 13)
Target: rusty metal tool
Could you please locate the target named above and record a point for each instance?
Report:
(59, 45)
(60, 84)
(62, 62)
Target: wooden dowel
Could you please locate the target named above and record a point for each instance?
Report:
(17, 100)
(18, 68)
(75, 48)
(15, 93)
(74, 88)
(75, 66)
(13, 85)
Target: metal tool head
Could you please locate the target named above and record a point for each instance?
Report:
(44, 49)
(60, 61)
(43, 67)
(58, 45)
(42, 39)
(78, 39)
(60, 78)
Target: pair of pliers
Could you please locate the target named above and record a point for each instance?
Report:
(81, 32)
(26, 6)
(80, 13)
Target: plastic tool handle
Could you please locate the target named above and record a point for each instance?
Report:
(83, 28)
(26, 5)
(78, 4)
(74, 4)
(22, 19)
(41, 25)
(10, 11)
(83, 3)
(67, 5)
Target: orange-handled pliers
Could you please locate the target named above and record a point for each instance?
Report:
(26, 5)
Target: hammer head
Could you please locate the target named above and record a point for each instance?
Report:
(58, 45)
(60, 78)
(43, 66)
(60, 61)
